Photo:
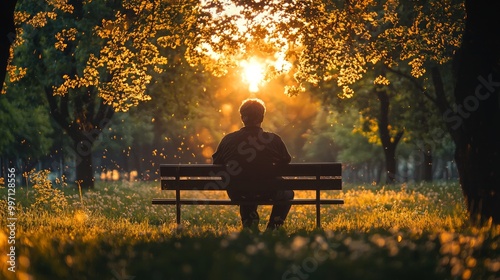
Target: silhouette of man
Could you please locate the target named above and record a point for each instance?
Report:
(256, 152)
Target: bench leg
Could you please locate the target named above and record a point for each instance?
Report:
(318, 212)
(178, 207)
(178, 214)
(318, 217)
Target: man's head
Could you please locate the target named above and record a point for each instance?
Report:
(252, 111)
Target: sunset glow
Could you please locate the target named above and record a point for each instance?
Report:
(253, 74)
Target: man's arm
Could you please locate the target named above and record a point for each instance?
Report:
(286, 155)
(279, 150)
(217, 157)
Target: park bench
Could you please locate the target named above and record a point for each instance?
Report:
(209, 177)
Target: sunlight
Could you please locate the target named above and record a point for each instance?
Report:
(253, 74)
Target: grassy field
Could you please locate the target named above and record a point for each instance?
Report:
(113, 232)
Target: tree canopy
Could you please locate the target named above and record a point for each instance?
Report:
(117, 48)
(330, 40)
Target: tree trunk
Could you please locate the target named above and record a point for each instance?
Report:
(83, 123)
(390, 164)
(83, 165)
(426, 171)
(424, 165)
(388, 145)
(476, 121)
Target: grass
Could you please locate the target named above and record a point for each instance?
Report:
(415, 231)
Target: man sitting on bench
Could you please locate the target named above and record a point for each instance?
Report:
(256, 152)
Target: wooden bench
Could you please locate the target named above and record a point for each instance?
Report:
(208, 177)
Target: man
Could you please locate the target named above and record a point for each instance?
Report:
(256, 152)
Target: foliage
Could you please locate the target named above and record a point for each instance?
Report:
(182, 109)
(332, 40)
(321, 143)
(355, 147)
(367, 47)
(46, 197)
(404, 231)
(108, 47)
(86, 60)
(126, 134)
(26, 128)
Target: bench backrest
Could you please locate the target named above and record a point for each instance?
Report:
(295, 176)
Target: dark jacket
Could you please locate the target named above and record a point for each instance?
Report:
(252, 149)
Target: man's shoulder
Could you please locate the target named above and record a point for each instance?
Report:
(232, 136)
(265, 136)
(270, 135)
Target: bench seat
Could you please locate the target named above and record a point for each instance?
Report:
(318, 177)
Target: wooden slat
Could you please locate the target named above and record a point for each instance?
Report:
(305, 169)
(171, 201)
(190, 169)
(295, 169)
(295, 184)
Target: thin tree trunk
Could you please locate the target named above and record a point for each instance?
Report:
(427, 166)
(388, 145)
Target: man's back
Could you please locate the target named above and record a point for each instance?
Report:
(253, 149)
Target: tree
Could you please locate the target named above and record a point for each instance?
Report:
(475, 121)
(93, 58)
(426, 131)
(407, 40)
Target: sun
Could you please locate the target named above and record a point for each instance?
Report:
(253, 73)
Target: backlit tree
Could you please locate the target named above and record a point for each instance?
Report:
(93, 58)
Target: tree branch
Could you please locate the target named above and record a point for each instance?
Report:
(413, 81)
(103, 115)
(398, 137)
(441, 101)
(60, 116)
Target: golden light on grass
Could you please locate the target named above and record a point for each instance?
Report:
(80, 216)
(396, 222)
